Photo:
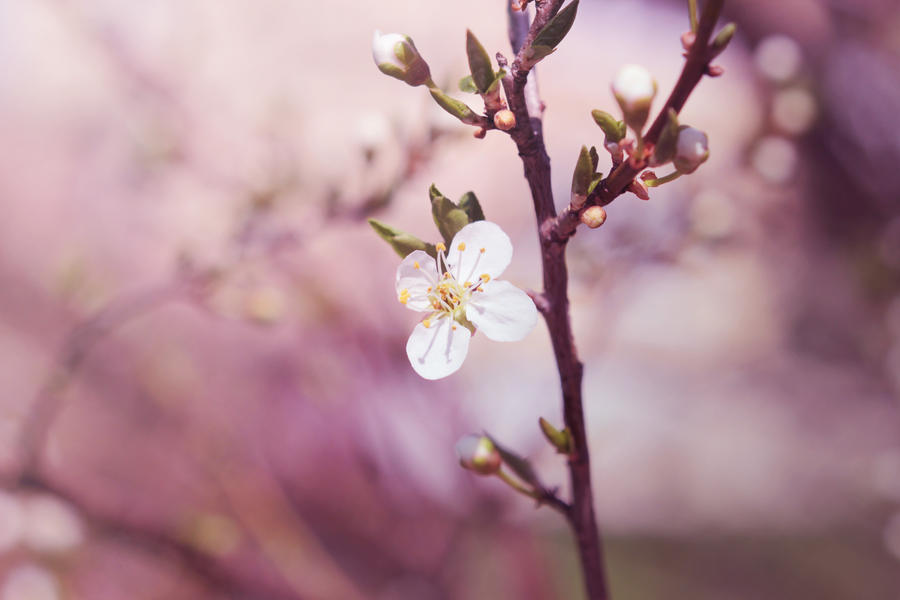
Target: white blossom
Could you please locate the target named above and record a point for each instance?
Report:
(460, 293)
(691, 149)
(396, 55)
(634, 89)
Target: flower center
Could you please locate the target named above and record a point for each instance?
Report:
(448, 296)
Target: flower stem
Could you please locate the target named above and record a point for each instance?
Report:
(508, 480)
(692, 14)
(665, 179)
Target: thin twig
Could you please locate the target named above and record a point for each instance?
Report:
(698, 59)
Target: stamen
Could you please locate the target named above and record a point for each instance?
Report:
(416, 264)
(484, 277)
(482, 250)
(461, 247)
(426, 323)
(454, 328)
(441, 247)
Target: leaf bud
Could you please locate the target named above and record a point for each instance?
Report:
(478, 453)
(396, 55)
(594, 216)
(504, 119)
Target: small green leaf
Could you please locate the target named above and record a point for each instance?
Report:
(554, 31)
(403, 243)
(538, 52)
(518, 465)
(448, 217)
(598, 177)
(595, 158)
(722, 39)
(613, 128)
(453, 106)
(584, 172)
(561, 440)
(664, 150)
(469, 203)
(479, 63)
(467, 85)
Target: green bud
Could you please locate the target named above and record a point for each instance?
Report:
(612, 127)
(479, 63)
(553, 33)
(582, 176)
(469, 203)
(561, 440)
(448, 217)
(664, 150)
(403, 243)
(722, 39)
(453, 106)
(477, 453)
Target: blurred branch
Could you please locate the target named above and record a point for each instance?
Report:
(153, 540)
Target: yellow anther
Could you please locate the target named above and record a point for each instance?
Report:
(482, 250)
(485, 277)
(454, 328)
(441, 247)
(416, 264)
(429, 289)
(468, 284)
(461, 247)
(426, 323)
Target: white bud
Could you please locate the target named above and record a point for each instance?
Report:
(478, 453)
(594, 217)
(691, 149)
(634, 89)
(395, 54)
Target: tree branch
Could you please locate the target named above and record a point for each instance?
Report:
(528, 137)
(696, 65)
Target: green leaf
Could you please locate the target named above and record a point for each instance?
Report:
(518, 465)
(448, 217)
(584, 172)
(498, 78)
(403, 243)
(538, 52)
(554, 31)
(595, 158)
(453, 106)
(561, 440)
(598, 177)
(664, 150)
(613, 128)
(479, 63)
(469, 203)
(467, 85)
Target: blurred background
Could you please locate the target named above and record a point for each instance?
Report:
(205, 393)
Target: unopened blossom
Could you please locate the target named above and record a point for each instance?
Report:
(395, 54)
(691, 149)
(478, 453)
(460, 294)
(634, 89)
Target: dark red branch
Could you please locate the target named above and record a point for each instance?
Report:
(528, 137)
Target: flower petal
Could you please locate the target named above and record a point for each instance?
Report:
(416, 280)
(502, 311)
(470, 262)
(437, 351)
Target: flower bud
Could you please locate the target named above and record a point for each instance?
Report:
(478, 453)
(504, 119)
(396, 55)
(691, 150)
(594, 217)
(634, 89)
